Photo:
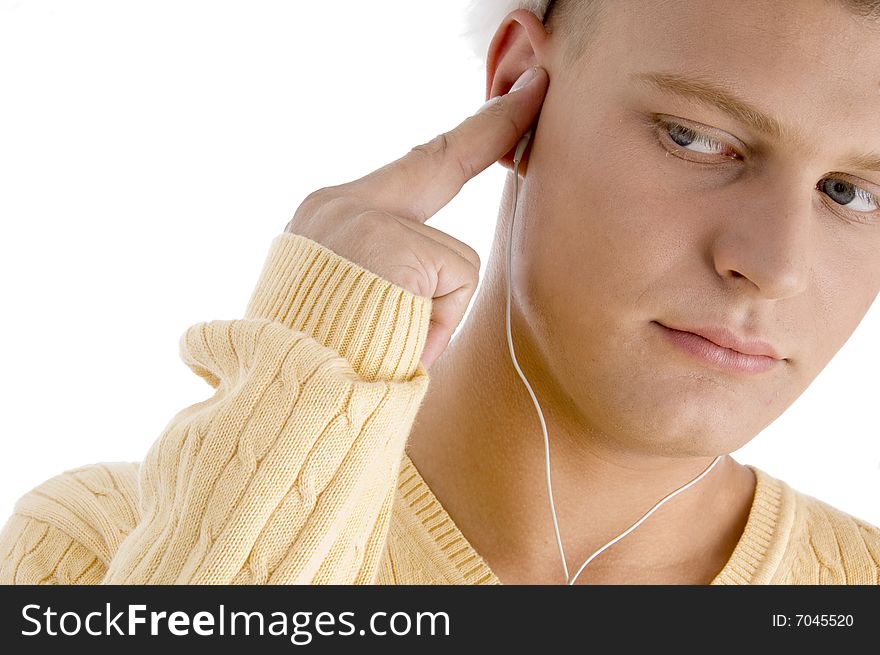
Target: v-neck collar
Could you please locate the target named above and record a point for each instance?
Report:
(753, 561)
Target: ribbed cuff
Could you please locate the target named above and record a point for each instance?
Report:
(379, 327)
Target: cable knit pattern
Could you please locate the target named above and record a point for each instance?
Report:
(294, 470)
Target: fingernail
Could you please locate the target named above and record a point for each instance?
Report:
(524, 79)
(490, 101)
(527, 76)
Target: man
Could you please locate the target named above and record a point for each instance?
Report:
(682, 178)
(656, 198)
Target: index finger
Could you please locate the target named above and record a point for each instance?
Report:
(423, 181)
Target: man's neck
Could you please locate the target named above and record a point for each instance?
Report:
(477, 442)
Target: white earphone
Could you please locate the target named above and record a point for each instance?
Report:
(520, 148)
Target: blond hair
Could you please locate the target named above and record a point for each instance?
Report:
(483, 17)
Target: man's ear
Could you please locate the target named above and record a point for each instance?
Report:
(519, 43)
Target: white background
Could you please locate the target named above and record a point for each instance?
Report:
(150, 152)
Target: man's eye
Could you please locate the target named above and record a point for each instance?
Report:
(844, 193)
(686, 137)
(694, 141)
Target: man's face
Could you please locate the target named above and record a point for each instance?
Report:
(628, 222)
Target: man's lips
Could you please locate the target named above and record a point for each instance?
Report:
(722, 357)
(727, 338)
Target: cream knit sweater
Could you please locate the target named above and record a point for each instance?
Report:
(294, 470)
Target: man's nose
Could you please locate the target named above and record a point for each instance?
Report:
(766, 238)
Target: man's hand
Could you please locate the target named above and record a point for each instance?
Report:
(379, 221)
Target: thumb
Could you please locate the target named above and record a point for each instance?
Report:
(446, 313)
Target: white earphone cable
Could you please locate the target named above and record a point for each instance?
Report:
(521, 146)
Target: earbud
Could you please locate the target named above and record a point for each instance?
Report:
(521, 146)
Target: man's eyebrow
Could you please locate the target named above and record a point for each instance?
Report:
(700, 89)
